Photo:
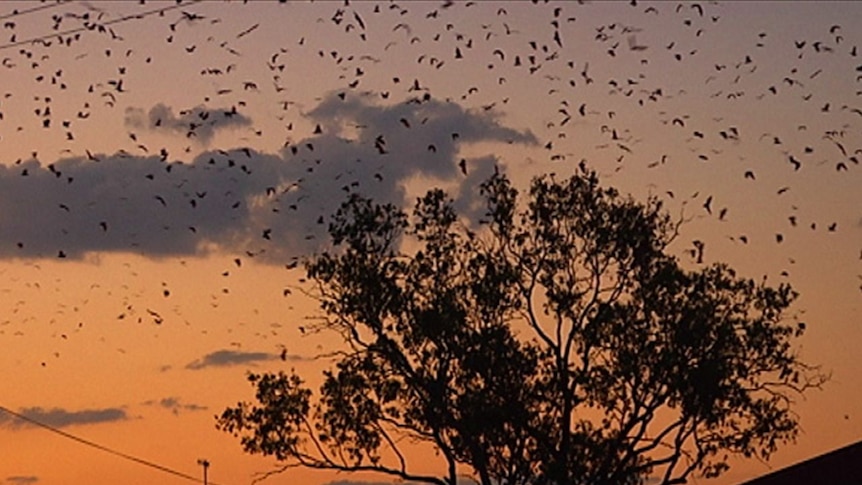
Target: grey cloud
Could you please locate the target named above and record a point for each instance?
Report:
(61, 418)
(271, 206)
(420, 139)
(299, 358)
(175, 405)
(423, 136)
(21, 479)
(121, 203)
(225, 358)
(467, 201)
(199, 122)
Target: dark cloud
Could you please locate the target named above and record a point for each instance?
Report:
(175, 406)
(272, 206)
(198, 123)
(225, 358)
(419, 138)
(120, 203)
(61, 418)
(300, 358)
(423, 137)
(21, 479)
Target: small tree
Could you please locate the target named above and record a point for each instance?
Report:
(559, 343)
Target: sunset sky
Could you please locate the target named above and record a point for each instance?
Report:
(163, 167)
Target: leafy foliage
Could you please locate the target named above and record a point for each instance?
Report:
(560, 342)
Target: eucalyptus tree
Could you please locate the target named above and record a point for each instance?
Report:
(557, 340)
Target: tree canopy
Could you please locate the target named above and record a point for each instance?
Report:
(557, 340)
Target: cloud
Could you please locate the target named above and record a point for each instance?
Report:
(199, 123)
(269, 205)
(418, 139)
(21, 479)
(174, 405)
(225, 358)
(61, 418)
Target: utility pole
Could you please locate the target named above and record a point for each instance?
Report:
(204, 463)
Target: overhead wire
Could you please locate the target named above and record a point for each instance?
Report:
(106, 449)
(18, 13)
(125, 18)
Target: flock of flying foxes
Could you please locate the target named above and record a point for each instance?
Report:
(623, 94)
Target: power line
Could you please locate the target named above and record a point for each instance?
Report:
(125, 18)
(16, 12)
(102, 447)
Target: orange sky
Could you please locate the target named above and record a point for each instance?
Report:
(169, 293)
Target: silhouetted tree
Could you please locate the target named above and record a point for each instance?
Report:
(558, 342)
